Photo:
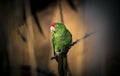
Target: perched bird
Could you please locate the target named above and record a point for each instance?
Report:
(61, 39)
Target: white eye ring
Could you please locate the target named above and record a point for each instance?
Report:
(52, 29)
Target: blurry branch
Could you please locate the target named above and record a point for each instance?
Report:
(21, 35)
(38, 24)
(30, 38)
(73, 43)
(72, 5)
(34, 11)
(45, 72)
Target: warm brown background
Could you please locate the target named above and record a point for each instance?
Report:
(24, 48)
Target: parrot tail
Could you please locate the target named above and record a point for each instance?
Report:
(62, 65)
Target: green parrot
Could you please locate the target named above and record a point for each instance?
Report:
(61, 38)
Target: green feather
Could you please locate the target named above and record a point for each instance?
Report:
(61, 39)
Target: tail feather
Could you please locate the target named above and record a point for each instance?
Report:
(68, 69)
(62, 66)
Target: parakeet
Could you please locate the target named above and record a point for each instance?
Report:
(61, 38)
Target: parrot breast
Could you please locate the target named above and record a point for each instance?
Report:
(61, 38)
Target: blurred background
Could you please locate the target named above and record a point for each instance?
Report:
(25, 46)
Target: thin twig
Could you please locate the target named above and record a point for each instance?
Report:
(72, 44)
(60, 10)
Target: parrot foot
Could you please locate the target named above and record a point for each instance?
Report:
(57, 54)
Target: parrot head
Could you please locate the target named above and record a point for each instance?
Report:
(52, 27)
(57, 27)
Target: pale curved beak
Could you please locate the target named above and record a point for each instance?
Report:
(52, 29)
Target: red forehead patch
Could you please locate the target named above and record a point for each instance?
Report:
(53, 24)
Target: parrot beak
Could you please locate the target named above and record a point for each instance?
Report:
(52, 29)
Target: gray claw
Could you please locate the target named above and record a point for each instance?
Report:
(58, 53)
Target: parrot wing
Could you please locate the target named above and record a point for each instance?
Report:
(53, 44)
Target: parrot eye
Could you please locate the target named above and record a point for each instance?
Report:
(56, 25)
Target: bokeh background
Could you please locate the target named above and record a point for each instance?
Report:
(25, 47)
